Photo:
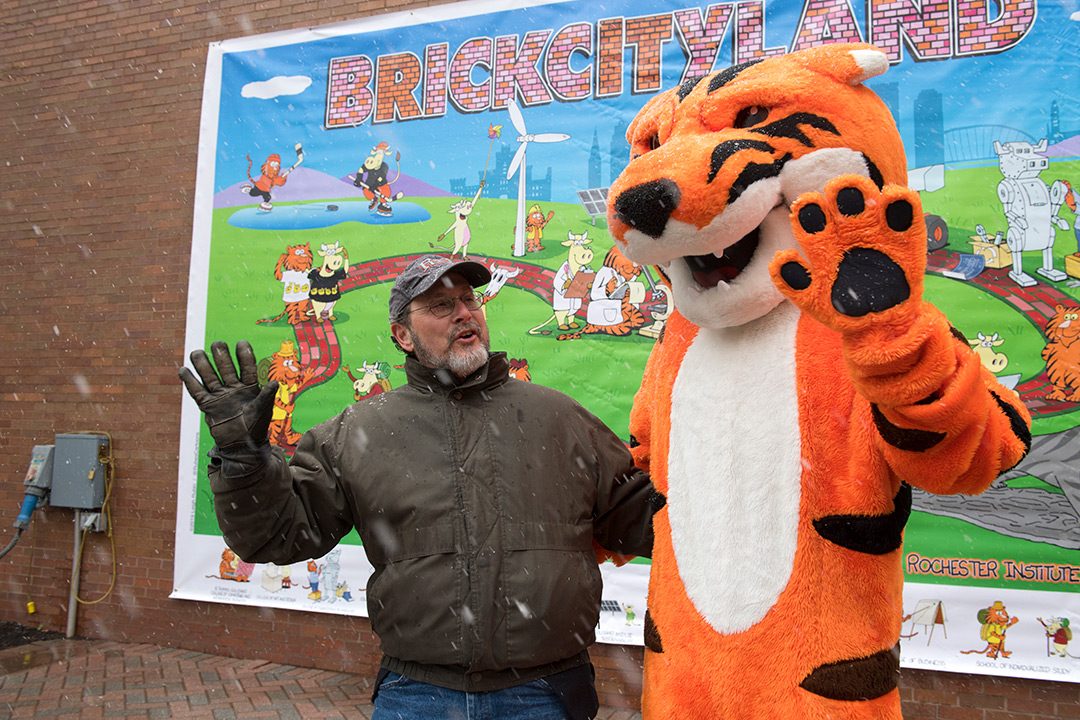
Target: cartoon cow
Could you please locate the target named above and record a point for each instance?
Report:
(567, 287)
(373, 380)
(994, 361)
(1031, 208)
(499, 278)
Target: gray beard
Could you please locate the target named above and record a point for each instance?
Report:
(460, 364)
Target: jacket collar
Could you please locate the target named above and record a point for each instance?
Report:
(493, 373)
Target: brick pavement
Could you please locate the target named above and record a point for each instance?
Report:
(97, 679)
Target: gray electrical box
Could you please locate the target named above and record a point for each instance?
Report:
(78, 473)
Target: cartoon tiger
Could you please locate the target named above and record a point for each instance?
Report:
(284, 368)
(799, 389)
(1062, 354)
(292, 272)
(610, 310)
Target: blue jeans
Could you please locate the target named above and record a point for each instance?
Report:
(401, 698)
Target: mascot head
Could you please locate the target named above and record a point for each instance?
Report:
(716, 163)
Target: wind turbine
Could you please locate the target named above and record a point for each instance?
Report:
(518, 164)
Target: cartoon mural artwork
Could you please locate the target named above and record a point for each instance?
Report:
(342, 591)
(535, 223)
(499, 277)
(1058, 635)
(995, 622)
(993, 360)
(544, 185)
(284, 368)
(928, 614)
(325, 281)
(233, 568)
(331, 568)
(519, 369)
(1062, 354)
(372, 178)
(314, 575)
(270, 178)
(572, 283)
(374, 380)
(276, 577)
(1031, 208)
(460, 226)
(292, 272)
(517, 164)
(615, 297)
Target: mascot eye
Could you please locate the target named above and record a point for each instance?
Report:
(654, 142)
(751, 116)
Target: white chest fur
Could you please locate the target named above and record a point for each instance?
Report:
(734, 469)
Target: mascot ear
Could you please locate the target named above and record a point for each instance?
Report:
(852, 64)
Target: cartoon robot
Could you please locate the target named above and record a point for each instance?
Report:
(1031, 208)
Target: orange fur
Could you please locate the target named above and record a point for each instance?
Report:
(869, 401)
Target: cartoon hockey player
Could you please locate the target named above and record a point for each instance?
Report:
(1031, 208)
(371, 177)
(270, 178)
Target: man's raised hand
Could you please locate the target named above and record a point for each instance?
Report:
(236, 409)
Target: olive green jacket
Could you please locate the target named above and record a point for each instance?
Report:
(477, 503)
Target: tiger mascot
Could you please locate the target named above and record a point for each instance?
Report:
(798, 391)
(292, 272)
(1062, 354)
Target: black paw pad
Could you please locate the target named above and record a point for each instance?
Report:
(868, 281)
(849, 201)
(795, 275)
(899, 215)
(812, 219)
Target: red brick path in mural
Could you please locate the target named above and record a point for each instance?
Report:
(1036, 303)
(318, 345)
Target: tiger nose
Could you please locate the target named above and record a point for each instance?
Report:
(648, 206)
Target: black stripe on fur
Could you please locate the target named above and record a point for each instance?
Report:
(852, 680)
(870, 534)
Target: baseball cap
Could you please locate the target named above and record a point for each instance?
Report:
(424, 271)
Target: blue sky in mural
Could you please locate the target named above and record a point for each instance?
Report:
(1013, 89)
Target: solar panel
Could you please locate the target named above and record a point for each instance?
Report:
(594, 200)
(610, 606)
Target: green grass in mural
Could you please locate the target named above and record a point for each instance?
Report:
(602, 372)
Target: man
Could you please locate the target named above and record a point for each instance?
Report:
(478, 499)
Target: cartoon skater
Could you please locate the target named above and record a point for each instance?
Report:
(371, 177)
(460, 227)
(1031, 208)
(325, 281)
(270, 178)
(995, 621)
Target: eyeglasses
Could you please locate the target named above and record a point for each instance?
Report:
(444, 306)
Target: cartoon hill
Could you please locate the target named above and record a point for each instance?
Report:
(305, 184)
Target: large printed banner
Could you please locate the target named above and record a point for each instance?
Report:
(331, 157)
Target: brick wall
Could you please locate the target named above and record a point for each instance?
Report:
(99, 115)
